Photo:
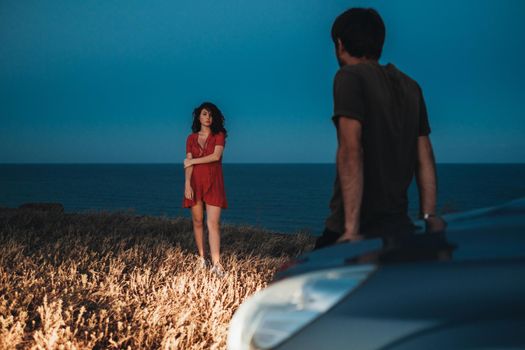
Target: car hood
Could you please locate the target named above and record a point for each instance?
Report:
(478, 235)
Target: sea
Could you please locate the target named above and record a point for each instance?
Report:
(284, 198)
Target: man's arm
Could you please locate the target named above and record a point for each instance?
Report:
(350, 170)
(426, 179)
(426, 176)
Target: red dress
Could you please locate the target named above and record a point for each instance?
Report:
(206, 180)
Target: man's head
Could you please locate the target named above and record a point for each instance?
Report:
(360, 33)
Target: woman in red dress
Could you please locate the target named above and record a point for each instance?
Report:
(204, 185)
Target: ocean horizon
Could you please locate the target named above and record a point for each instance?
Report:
(282, 197)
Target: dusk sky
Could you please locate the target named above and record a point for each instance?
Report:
(116, 81)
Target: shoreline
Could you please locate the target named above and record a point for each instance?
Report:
(132, 212)
(54, 210)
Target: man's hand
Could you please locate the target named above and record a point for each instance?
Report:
(349, 238)
(435, 224)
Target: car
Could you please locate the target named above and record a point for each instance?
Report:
(463, 288)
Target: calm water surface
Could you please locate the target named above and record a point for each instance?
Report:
(280, 197)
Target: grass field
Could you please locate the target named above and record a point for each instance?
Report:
(103, 280)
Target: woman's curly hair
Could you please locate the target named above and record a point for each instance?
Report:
(217, 122)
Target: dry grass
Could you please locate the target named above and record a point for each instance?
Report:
(101, 280)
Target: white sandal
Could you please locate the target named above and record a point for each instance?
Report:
(218, 270)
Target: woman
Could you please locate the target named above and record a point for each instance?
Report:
(204, 187)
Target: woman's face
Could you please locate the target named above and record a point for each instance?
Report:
(205, 118)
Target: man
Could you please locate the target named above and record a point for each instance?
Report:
(382, 133)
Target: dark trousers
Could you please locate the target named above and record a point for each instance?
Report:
(326, 239)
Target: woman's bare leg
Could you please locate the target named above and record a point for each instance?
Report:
(213, 218)
(197, 216)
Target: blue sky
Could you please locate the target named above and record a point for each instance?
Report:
(116, 81)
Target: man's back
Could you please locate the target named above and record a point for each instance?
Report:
(382, 136)
(392, 113)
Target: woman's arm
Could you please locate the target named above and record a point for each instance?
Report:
(214, 157)
(188, 191)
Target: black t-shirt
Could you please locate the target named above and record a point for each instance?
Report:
(392, 112)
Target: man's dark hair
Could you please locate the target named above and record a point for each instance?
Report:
(361, 31)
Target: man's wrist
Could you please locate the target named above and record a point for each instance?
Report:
(427, 215)
(351, 229)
